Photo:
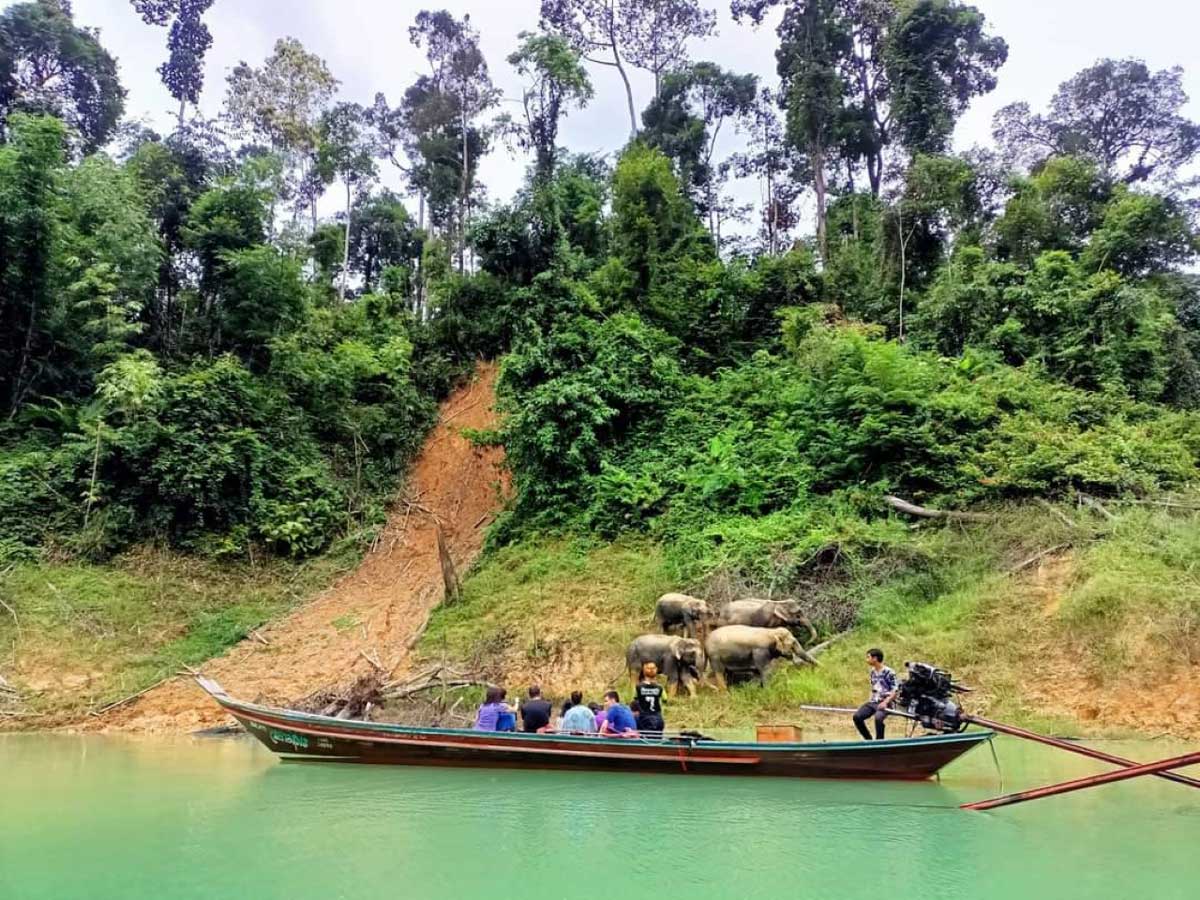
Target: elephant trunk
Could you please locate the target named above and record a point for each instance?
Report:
(803, 656)
(812, 632)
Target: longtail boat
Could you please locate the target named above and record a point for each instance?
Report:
(297, 735)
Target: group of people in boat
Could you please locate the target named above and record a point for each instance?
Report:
(644, 714)
(612, 718)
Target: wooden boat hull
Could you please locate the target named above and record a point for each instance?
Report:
(303, 736)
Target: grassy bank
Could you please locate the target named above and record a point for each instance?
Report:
(1061, 619)
(76, 636)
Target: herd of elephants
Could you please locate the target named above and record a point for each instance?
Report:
(740, 638)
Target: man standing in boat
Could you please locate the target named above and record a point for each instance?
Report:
(884, 687)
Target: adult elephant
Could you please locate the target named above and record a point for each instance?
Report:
(679, 612)
(680, 659)
(744, 648)
(767, 614)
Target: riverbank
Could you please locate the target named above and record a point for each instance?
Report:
(1061, 618)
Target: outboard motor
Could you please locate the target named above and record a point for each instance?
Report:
(927, 695)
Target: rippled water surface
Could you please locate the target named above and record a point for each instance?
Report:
(101, 818)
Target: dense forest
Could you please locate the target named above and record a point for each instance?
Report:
(192, 357)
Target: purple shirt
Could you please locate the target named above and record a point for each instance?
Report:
(601, 718)
(489, 714)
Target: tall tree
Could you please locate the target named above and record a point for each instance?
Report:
(686, 119)
(859, 75)
(187, 43)
(1117, 113)
(459, 86)
(556, 79)
(383, 237)
(347, 152)
(282, 103)
(648, 34)
(773, 160)
(50, 65)
(939, 57)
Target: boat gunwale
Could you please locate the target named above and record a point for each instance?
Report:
(491, 739)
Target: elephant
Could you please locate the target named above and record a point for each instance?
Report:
(680, 659)
(767, 614)
(743, 648)
(679, 612)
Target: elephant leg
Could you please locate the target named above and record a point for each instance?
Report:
(690, 684)
(762, 662)
(719, 678)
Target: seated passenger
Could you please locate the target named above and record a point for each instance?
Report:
(493, 710)
(535, 712)
(579, 719)
(600, 713)
(618, 721)
(574, 700)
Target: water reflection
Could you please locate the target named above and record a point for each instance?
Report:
(104, 818)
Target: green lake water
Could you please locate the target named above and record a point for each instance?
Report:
(96, 818)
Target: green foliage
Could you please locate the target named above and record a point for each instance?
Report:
(50, 66)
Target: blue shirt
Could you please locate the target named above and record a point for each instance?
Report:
(620, 719)
(578, 718)
(883, 683)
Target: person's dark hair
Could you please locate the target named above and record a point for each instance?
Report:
(875, 653)
(534, 691)
(634, 706)
(613, 696)
(576, 697)
(494, 695)
(595, 707)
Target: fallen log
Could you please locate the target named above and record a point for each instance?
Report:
(1090, 501)
(1055, 511)
(1036, 558)
(922, 512)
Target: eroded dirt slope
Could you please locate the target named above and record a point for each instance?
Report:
(372, 614)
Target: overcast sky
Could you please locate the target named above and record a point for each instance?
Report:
(365, 43)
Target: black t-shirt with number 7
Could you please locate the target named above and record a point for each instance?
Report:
(649, 698)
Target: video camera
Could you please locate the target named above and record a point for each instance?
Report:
(926, 696)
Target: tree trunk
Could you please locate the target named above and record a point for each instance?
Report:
(182, 112)
(903, 265)
(462, 196)
(633, 126)
(817, 154)
(346, 248)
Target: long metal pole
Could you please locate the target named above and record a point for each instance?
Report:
(1014, 731)
(1079, 784)
(1074, 748)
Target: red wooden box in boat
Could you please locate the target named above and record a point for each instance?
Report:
(304, 736)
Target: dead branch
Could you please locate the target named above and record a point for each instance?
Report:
(13, 613)
(401, 693)
(1036, 558)
(1166, 504)
(922, 513)
(822, 647)
(449, 576)
(1055, 511)
(124, 700)
(1090, 501)
(258, 637)
(458, 412)
(375, 663)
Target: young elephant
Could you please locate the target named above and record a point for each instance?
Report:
(767, 614)
(680, 659)
(745, 648)
(679, 612)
